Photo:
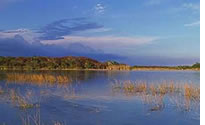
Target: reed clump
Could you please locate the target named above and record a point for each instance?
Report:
(189, 91)
(184, 96)
(23, 102)
(39, 79)
(1, 90)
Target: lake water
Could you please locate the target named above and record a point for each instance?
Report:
(87, 98)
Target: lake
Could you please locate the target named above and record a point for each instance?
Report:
(89, 98)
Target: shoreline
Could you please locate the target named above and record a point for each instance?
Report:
(138, 69)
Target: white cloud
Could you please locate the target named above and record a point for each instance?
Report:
(103, 41)
(197, 23)
(27, 34)
(91, 31)
(99, 8)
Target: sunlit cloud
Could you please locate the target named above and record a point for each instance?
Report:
(27, 34)
(91, 31)
(197, 23)
(103, 41)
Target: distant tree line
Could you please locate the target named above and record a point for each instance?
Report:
(195, 66)
(70, 62)
(49, 63)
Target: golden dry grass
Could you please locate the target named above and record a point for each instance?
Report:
(185, 97)
(189, 91)
(1, 90)
(39, 79)
(21, 101)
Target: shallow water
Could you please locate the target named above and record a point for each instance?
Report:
(88, 99)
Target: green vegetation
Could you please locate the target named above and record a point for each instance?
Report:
(49, 63)
(195, 66)
(70, 62)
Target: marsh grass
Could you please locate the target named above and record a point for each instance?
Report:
(183, 96)
(1, 90)
(28, 104)
(22, 101)
(190, 91)
(69, 92)
(34, 118)
(39, 79)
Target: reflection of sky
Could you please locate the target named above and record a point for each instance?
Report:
(136, 32)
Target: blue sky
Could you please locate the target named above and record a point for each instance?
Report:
(142, 32)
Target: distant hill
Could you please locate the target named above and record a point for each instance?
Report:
(71, 62)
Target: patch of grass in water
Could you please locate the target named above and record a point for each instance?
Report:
(154, 94)
(39, 79)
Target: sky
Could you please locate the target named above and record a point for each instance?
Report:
(136, 32)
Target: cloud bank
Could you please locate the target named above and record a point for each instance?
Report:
(61, 38)
(18, 46)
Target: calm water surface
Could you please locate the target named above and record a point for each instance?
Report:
(88, 99)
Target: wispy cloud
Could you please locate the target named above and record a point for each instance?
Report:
(192, 6)
(99, 9)
(27, 34)
(60, 28)
(92, 31)
(103, 41)
(197, 23)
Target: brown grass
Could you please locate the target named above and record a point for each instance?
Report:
(1, 90)
(184, 96)
(22, 101)
(189, 91)
(39, 79)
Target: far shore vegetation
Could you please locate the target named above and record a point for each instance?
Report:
(76, 63)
